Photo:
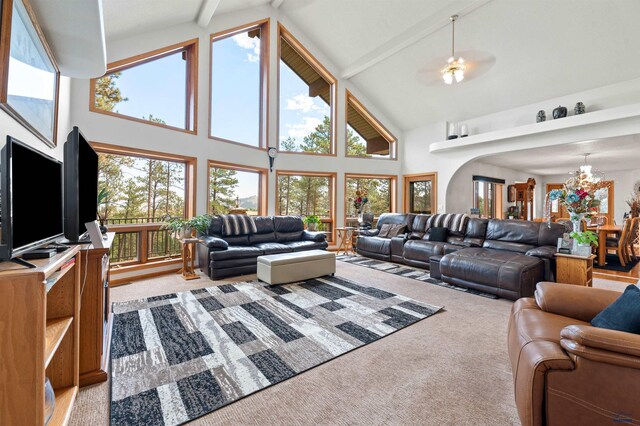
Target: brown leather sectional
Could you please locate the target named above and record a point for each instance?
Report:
(567, 372)
(502, 257)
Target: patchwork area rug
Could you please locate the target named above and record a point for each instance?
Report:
(408, 272)
(180, 356)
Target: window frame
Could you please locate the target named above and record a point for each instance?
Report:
(374, 122)
(191, 85)
(324, 73)
(262, 182)
(264, 25)
(393, 190)
(407, 179)
(492, 186)
(333, 177)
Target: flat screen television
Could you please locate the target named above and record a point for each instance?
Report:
(80, 186)
(31, 197)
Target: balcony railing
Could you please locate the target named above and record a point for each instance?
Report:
(141, 242)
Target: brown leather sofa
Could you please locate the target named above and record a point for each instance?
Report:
(565, 371)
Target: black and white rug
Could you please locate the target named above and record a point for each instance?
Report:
(180, 356)
(407, 272)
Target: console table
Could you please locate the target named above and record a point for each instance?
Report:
(39, 337)
(95, 312)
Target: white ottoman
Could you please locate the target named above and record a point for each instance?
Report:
(296, 266)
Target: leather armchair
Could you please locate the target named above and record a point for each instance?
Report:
(565, 371)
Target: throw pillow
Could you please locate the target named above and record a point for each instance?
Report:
(438, 234)
(396, 230)
(416, 235)
(623, 314)
(384, 230)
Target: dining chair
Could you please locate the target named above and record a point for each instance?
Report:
(632, 237)
(620, 244)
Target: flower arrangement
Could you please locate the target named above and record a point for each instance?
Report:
(360, 200)
(578, 201)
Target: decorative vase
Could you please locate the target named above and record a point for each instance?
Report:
(576, 221)
(583, 250)
(452, 133)
(464, 131)
(559, 112)
(579, 109)
(360, 216)
(311, 226)
(541, 116)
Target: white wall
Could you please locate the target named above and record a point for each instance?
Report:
(117, 131)
(418, 159)
(460, 188)
(624, 181)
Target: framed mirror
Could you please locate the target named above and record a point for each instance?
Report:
(29, 76)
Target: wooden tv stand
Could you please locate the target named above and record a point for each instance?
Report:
(39, 337)
(95, 313)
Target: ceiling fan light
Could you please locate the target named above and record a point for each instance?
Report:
(447, 76)
(459, 73)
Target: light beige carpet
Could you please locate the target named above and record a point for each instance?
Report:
(451, 369)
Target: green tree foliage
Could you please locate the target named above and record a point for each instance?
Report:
(303, 195)
(378, 193)
(154, 119)
(356, 146)
(108, 94)
(421, 197)
(222, 190)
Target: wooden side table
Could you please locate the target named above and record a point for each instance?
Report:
(345, 238)
(571, 269)
(188, 258)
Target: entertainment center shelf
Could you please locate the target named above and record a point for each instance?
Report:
(40, 335)
(545, 127)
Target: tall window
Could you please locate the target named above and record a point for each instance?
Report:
(236, 189)
(156, 88)
(420, 193)
(366, 137)
(307, 194)
(487, 196)
(379, 190)
(307, 92)
(239, 72)
(141, 190)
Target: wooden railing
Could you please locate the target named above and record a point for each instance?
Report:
(137, 243)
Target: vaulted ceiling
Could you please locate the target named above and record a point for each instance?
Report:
(519, 52)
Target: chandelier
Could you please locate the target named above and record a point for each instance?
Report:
(587, 176)
(455, 67)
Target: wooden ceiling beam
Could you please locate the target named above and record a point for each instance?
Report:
(318, 88)
(378, 146)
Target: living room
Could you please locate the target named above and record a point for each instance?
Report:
(421, 179)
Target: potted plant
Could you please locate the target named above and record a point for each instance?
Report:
(187, 228)
(312, 222)
(585, 240)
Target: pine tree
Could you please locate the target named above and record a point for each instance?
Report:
(107, 94)
(222, 189)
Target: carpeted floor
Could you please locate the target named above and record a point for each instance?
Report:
(450, 369)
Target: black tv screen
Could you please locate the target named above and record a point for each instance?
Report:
(80, 185)
(31, 199)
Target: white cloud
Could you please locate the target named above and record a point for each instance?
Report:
(303, 129)
(302, 103)
(246, 42)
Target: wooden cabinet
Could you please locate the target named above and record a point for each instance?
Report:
(572, 269)
(524, 199)
(95, 313)
(39, 337)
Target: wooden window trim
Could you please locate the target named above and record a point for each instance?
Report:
(332, 192)
(393, 189)
(320, 69)
(191, 88)
(374, 122)
(407, 179)
(263, 175)
(264, 25)
(191, 167)
(6, 12)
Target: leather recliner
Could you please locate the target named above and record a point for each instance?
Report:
(228, 255)
(565, 371)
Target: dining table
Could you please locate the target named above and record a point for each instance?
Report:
(603, 231)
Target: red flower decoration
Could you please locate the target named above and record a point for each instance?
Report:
(582, 193)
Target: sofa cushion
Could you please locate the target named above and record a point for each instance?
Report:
(438, 233)
(545, 252)
(375, 245)
(288, 228)
(265, 230)
(548, 235)
(273, 248)
(508, 246)
(396, 230)
(384, 230)
(515, 231)
(456, 222)
(392, 218)
(214, 243)
(419, 224)
(236, 252)
(267, 237)
(306, 245)
(475, 233)
(623, 314)
(422, 250)
(237, 240)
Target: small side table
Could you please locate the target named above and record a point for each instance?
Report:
(188, 258)
(571, 269)
(345, 237)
